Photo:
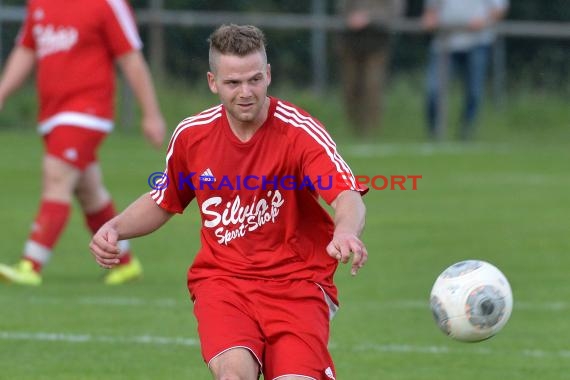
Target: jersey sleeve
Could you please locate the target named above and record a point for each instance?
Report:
(25, 36)
(322, 163)
(120, 29)
(173, 189)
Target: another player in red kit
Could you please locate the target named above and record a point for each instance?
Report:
(75, 45)
(262, 282)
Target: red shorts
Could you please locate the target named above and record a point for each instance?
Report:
(74, 145)
(285, 324)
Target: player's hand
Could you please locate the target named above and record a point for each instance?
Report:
(358, 20)
(154, 129)
(104, 247)
(430, 21)
(343, 245)
(478, 23)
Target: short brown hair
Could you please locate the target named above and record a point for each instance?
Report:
(233, 39)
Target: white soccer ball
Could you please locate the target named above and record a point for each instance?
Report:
(471, 300)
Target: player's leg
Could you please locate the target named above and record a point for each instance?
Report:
(374, 68)
(58, 181)
(236, 363)
(98, 208)
(351, 81)
(433, 89)
(91, 192)
(475, 74)
(231, 342)
(296, 318)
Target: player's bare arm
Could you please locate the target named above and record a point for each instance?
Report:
(18, 67)
(358, 19)
(142, 217)
(498, 14)
(349, 216)
(429, 19)
(136, 72)
(480, 23)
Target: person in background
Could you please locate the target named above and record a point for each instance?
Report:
(262, 281)
(365, 47)
(74, 45)
(464, 34)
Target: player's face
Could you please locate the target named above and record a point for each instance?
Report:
(241, 83)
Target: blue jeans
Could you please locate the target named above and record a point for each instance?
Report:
(472, 66)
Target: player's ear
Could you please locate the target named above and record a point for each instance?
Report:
(268, 74)
(212, 82)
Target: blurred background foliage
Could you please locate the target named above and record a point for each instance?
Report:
(534, 101)
(541, 63)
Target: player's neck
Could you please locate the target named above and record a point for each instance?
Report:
(245, 130)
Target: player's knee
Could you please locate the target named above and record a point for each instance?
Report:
(92, 199)
(57, 186)
(242, 371)
(235, 374)
(232, 376)
(229, 368)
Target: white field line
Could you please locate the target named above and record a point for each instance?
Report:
(444, 350)
(183, 302)
(193, 342)
(90, 338)
(417, 304)
(112, 301)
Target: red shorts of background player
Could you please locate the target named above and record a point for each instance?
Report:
(285, 324)
(74, 145)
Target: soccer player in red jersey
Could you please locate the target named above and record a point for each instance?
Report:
(74, 45)
(262, 281)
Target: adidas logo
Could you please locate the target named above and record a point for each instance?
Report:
(329, 373)
(207, 176)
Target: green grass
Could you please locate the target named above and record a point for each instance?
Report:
(505, 202)
(523, 115)
(503, 198)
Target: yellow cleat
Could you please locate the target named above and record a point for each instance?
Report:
(22, 273)
(124, 273)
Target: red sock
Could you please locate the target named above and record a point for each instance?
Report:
(48, 226)
(96, 219)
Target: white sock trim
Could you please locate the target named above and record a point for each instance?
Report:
(124, 246)
(37, 252)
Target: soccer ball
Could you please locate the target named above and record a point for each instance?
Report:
(471, 301)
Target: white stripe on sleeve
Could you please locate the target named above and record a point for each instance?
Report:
(292, 116)
(203, 118)
(126, 21)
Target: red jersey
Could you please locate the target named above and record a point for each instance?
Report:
(76, 43)
(259, 200)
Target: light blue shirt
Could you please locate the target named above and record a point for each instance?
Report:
(457, 13)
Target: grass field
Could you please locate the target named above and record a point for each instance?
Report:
(507, 203)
